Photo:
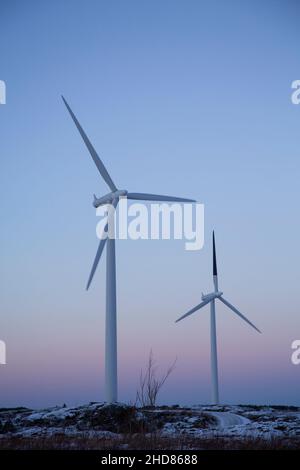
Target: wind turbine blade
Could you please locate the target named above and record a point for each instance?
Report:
(101, 246)
(194, 310)
(103, 171)
(215, 271)
(238, 313)
(156, 197)
(96, 260)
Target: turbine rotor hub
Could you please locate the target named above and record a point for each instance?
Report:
(120, 193)
(108, 198)
(212, 295)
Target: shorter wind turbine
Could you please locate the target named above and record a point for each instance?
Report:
(211, 298)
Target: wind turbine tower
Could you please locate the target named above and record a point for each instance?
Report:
(211, 299)
(112, 198)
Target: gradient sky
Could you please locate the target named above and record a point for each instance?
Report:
(185, 98)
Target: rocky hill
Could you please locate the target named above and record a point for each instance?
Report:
(122, 425)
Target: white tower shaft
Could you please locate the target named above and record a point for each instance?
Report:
(111, 373)
(214, 357)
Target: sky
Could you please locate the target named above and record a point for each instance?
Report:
(185, 98)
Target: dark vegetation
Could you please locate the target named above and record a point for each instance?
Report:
(100, 426)
(153, 441)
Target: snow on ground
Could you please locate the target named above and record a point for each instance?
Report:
(110, 421)
(226, 419)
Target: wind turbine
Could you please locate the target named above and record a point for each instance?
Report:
(211, 298)
(113, 197)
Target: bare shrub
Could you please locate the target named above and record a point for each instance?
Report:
(150, 384)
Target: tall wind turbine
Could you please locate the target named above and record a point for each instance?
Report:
(210, 299)
(113, 197)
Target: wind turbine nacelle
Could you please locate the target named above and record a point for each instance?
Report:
(108, 198)
(212, 296)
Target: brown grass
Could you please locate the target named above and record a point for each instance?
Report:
(153, 441)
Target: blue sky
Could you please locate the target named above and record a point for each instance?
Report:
(185, 98)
